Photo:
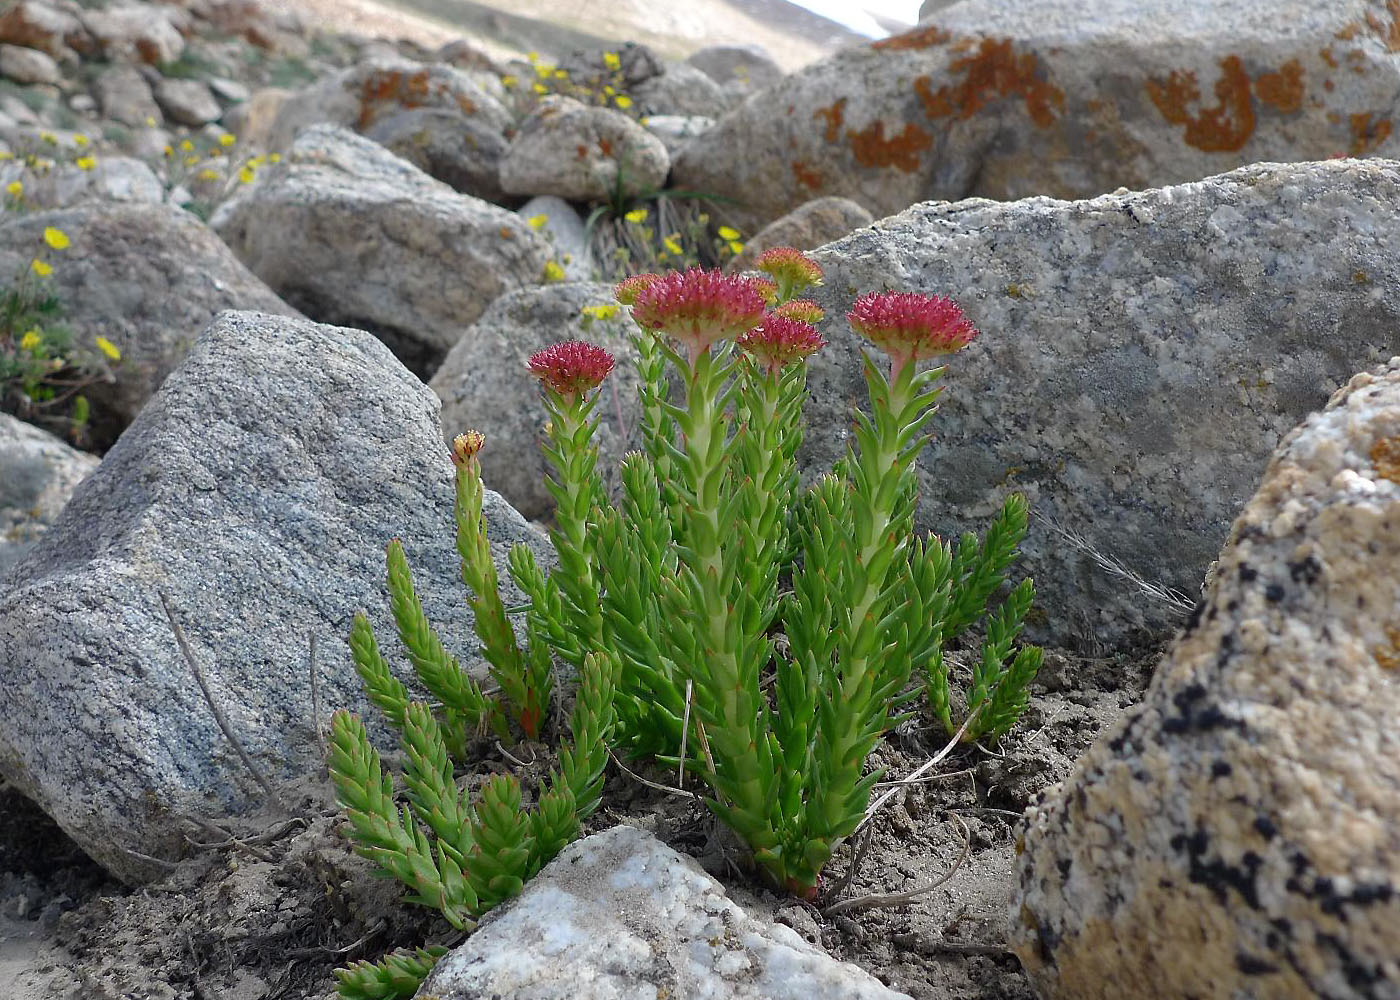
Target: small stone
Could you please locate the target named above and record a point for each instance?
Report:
(83, 103)
(38, 473)
(229, 91)
(187, 102)
(675, 131)
(458, 150)
(125, 96)
(24, 65)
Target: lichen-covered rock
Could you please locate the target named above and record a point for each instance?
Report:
(187, 102)
(582, 153)
(361, 95)
(739, 69)
(24, 65)
(257, 491)
(462, 153)
(125, 96)
(147, 33)
(620, 914)
(38, 473)
(820, 221)
(148, 277)
(116, 178)
(1141, 356)
(1006, 100)
(1237, 834)
(350, 233)
(680, 90)
(484, 383)
(37, 25)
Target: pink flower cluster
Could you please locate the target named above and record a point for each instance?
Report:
(781, 341)
(571, 368)
(697, 307)
(911, 327)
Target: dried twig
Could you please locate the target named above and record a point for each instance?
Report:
(685, 732)
(924, 768)
(219, 716)
(323, 950)
(670, 790)
(232, 841)
(1179, 603)
(876, 900)
(316, 704)
(856, 859)
(512, 758)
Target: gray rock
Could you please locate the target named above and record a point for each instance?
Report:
(228, 90)
(675, 131)
(582, 153)
(462, 153)
(187, 102)
(258, 490)
(680, 90)
(1238, 832)
(38, 473)
(619, 914)
(350, 233)
(359, 96)
(36, 25)
(567, 234)
(24, 65)
(1140, 357)
(126, 97)
(82, 103)
(18, 111)
(114, 178)
(821, 220)
(148, 277)
(741, 69)
(147, 33)
(484, 384)
(1006, 100)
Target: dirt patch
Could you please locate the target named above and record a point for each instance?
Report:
(271, 916)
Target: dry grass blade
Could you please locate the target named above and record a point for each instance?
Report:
(877, 900)
(668, 789)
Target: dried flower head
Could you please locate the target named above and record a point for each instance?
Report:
(911, 327)
(781, 341)
(465, 446)
(571, 368)
(791, 269)
(804, 309)
(698, 307)
(628, 289)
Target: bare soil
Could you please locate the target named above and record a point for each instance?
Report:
(268, 909)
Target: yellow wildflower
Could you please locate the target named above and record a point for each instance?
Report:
(735, 247)
(605, 311)
(673, 244)
(532, 56)
(227, 140)
(56, 238)
(561, 74)
(169, 152)
(40, 267)
(191, 160)
(247, 174)
(14, 189)
(537, 222)
(30, 341)
(48, 137)
(508, 81)
(637, 216)
(543, 70)
(108, 348)
(186, 146)
(612, 61)
(85, 162)
(6, 155)
(553, 271)
(541, 88)
(728, 233)
(208, 175)
(274, 157)
(609, 89)
(623, 101)
(81, 140)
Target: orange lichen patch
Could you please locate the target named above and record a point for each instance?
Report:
(581, 151)
(995, 70)
(901, 151)
(1224, 128)
(835, 117)
(1368, 132)
(1387, 31)
(1284, 89)
(1385, 456)
(920, 38)
(1328, 85)
(1389, 658)
(506, 233)
(806, 176)
(1328, 57)
(605, 146)
(1348, 33)
(406, 90)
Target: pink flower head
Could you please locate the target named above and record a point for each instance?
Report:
(627, 289)
(767, 288)
(781, 341)
(571, 368)
(792, 269)
(466, 446)
(911, 327)
(698, 307)
(804, 309)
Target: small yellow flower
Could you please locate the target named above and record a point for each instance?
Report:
(538, 222)
(186, 146)
(108, 348)
(735, 247)
(191, 160)
(728, 233)
(208, 175)
(150, 122)
(7, 155)
(637, 216)
(216, 151)
(169, 152)
(552, 271)
(14, 189)
(42, 268)
(673, 244)
(246, 175)
(543, 70)
(227, 140)
(508, 81)
(81, 140)
(48, 137)
(274, 157)
(56, 238)
(609, 89)
(541, 88)
(534, 57)
(605, 311)
(623, 101)
(561, 74)
(612, 61)
(85, 162)
(30, 341)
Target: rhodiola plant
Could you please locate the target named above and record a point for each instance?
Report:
(767, 637)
